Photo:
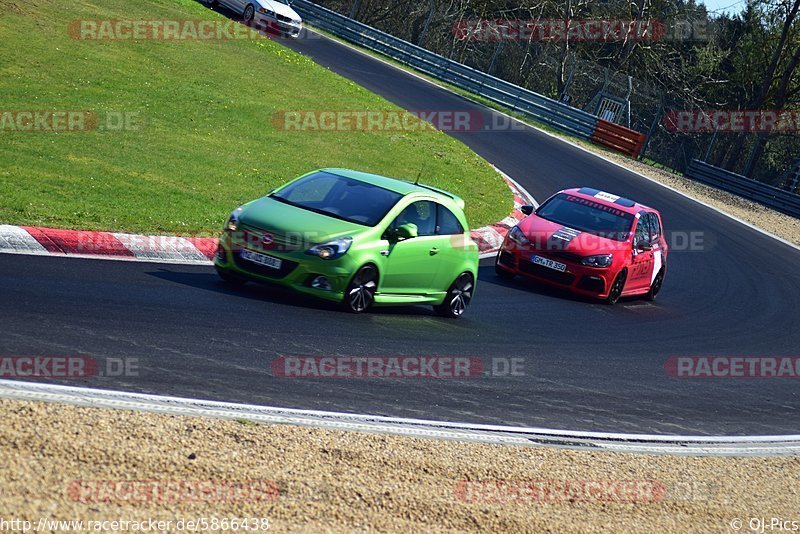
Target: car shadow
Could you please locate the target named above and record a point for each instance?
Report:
(487, 275)
(274, 293)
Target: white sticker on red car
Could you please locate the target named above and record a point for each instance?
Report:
(606, 196)
(656, 266)
(562, 237)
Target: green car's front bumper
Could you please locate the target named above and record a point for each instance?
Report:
(297, 270)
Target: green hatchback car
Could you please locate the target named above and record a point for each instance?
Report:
(355, 238)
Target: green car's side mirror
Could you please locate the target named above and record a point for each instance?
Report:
(406, 231)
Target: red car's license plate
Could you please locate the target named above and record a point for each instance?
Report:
(544, 262)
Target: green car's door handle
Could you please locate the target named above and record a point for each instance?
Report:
(384, 252)
(434, 251)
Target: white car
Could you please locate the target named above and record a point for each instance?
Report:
(275, 15)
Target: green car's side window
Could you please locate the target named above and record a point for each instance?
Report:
(447, 223)
(422, 213)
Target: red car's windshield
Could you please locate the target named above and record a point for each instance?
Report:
(587, 216)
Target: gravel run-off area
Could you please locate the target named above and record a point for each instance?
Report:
(67, 463)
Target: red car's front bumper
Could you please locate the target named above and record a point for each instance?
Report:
(578, 278)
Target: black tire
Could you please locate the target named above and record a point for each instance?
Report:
(616, 288)
(458, 297)
(360, 293)
(501, 273)
(231, 278)
(249, 14)
(655, 287)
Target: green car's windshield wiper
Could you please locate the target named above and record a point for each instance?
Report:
(315, 210)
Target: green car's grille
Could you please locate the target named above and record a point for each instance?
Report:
(269, 239)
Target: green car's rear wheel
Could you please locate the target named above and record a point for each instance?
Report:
(458, 297)
(361, 292)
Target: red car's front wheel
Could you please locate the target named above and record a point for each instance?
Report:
(616, 288)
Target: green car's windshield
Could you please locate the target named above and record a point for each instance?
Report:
(340, 197)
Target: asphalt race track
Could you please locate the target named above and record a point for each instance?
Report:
(586, 366)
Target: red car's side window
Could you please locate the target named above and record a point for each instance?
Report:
(655, 227)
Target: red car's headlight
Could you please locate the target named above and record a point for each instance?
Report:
(601, 260)
(516, 235)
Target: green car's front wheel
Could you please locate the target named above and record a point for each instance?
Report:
(458, 297)
(361, 292)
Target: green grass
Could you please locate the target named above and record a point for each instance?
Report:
(206, 141)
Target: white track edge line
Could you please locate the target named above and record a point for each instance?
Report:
(14, 389)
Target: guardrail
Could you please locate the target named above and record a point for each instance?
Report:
(762, 193)
(555, 114)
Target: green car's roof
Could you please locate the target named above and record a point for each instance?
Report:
(392, 184)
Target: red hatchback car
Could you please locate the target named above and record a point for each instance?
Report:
(590, 242)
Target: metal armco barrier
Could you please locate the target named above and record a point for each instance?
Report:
(619, 138)
(737, 184)
(541, 108)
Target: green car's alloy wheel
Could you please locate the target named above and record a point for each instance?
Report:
(458, 297)
(361, 291)
(617, 287)
(249, 13)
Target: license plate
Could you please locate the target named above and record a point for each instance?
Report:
(262, 259)
(555, 265)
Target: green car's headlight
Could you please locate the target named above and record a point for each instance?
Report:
(233, 220)
(601, 260)
(332, 249)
